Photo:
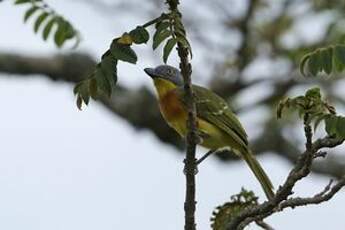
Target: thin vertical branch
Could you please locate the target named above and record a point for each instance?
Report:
(192, 138)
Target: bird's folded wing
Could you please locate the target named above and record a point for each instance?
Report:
(215, 110)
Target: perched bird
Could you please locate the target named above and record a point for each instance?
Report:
(217, 125)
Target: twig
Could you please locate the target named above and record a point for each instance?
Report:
(154, 21)
(201, 159)
(325, 195)
(264, 225)
(318, 154)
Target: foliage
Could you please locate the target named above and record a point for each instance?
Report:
(47, 19)
(223, 214)
(168, 27)
(103, 79)
(318, 110)
(328, 60)
(335, 126)
(101, 82)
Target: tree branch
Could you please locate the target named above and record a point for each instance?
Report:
(192, 138)
(73, 67)
(301, 170)
(263, 225)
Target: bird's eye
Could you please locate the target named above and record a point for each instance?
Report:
(170, 71)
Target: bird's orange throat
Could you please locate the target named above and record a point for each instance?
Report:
(170, 105)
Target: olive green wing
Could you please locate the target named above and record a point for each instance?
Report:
(215, 110)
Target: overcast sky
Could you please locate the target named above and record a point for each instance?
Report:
(62, 169)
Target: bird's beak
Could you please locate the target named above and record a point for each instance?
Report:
(150, 72)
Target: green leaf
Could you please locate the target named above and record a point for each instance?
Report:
(65, 31)
(105, 76)
(17, 2)
(315, 63)
(339, 57)
(84, 92)
(77, 88)
(60, 34)
(327, 59)
(158, 38)
(168, 48)
(341, 127)
(30, 12)
(281, 105)
(314, 93)
(123, 52)
(39, 20)
(69, 31)
(48, 17)
(304, 60)
(331, 125)
(139, 35)
(161, 26)
(162, 32)
(48, 28)
(93, 88)
(108, 70)
(103, 84)
(79, 102)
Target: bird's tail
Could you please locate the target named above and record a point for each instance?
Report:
(259, 173)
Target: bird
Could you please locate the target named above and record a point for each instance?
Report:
(217, 126)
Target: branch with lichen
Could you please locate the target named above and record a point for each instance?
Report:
(311, 106)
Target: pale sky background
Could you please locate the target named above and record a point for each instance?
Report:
(62, 169)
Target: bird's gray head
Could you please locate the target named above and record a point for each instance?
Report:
(166, 72)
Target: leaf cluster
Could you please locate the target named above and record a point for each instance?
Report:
(50, 21)
(172, 31)
(328, 60)
(318, 110)
(168, 27)
(104, 77)
(223, 214)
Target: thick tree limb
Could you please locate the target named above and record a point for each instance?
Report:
(71, 67)
(128, 104)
